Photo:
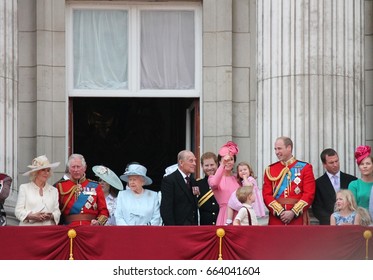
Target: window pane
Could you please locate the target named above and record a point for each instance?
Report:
(100, 46)
(167, 50)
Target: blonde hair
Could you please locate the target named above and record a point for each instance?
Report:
(365, 218)
(251, 171)
(350, 199)
(243, 192)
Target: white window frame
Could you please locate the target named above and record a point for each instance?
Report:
(134, 11)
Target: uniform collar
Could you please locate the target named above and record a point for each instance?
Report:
(289, 162)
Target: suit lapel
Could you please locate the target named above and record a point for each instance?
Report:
(344, 181)
(329, 189)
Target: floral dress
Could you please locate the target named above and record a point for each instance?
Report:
(350, 219)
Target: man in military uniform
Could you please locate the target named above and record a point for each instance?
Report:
(82, 201)
(288, 187)
(207, 204)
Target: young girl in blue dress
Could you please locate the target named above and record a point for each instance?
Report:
(345, 209)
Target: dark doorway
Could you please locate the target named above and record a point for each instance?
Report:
(116, 131)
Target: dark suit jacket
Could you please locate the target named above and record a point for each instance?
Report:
(323, 204)
(178, 204)
(209, 210)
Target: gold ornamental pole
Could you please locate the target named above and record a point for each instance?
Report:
(71, 234)
(220, 232)
(367, 235)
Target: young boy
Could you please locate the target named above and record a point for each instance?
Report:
(246, 216)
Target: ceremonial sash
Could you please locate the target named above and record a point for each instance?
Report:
(82, 199)
(204, 198)
(296, 169)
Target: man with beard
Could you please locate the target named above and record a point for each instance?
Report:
(207, 204)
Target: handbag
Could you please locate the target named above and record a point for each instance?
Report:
(2, 216)
(5, 183)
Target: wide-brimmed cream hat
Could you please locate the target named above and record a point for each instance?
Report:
(136, 169)
(40, 162)
(108, 176)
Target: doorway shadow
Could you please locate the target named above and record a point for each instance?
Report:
(116, 131)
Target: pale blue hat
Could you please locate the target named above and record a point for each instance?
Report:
(108, 176)
(136, 169)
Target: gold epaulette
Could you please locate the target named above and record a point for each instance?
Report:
(276, 207)
(298, 207)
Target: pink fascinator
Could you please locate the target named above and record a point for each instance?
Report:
(230, 148)
(361, 153)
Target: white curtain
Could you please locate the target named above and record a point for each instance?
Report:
(167, 50)
(100, 49)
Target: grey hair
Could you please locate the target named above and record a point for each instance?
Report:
(76, 156)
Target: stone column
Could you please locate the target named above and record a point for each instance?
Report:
(368, 73)
(310, 79)
(8, 86)
(8, 97)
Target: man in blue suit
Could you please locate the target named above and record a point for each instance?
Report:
(327, 185)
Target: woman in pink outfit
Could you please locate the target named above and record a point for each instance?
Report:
(245, 177)
(224, 182)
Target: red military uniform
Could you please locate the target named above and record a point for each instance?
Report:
(81, 202)
(289, 187)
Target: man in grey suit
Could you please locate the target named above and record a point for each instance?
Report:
(178, 204)
(327, 185)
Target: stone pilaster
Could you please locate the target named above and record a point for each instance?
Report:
(310, 78)
(8, 85)
(8, 94)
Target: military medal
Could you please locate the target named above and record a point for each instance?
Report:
(297, 190)
(90, 191)
(297, 180)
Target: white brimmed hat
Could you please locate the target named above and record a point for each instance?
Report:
(136, 169)
(108, 176)
(40, 162)
(170, 169)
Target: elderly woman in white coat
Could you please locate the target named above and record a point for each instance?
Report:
(37, 202)
(136, 205)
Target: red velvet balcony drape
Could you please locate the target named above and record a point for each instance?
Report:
(185, 243)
